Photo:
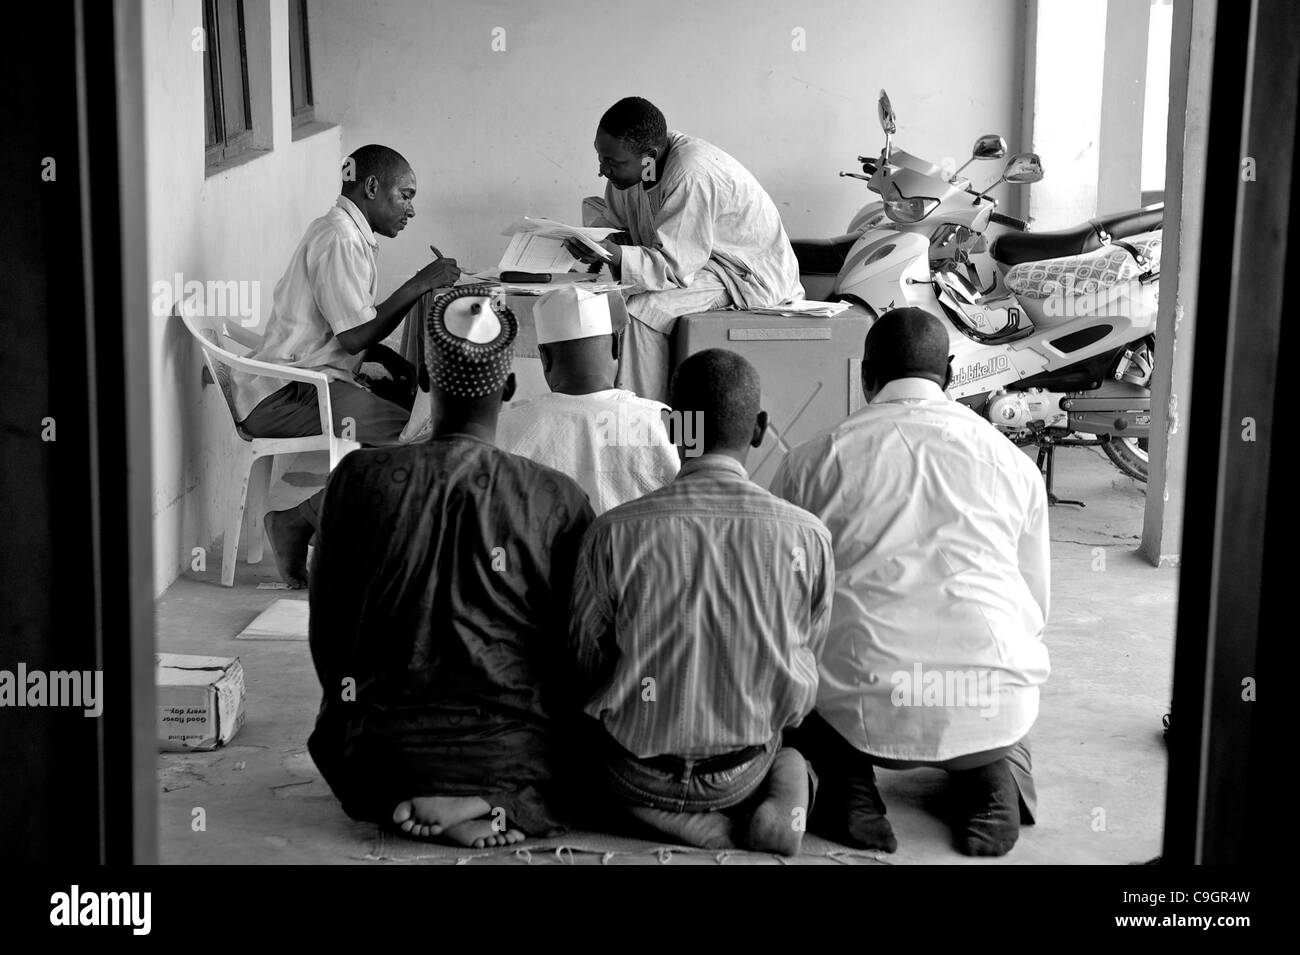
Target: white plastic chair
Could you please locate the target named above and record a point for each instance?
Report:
(247, 497)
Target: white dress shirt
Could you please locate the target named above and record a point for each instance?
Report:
(328, 288)
(942, 561)
(613, 443)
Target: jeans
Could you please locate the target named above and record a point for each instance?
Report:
(374, 420)
(292, 412)
(685, 785)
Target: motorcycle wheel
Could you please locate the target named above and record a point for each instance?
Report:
(1129, 455)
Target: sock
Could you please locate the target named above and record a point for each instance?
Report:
(988, 810)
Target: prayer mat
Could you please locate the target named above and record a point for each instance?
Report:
(390, 847)
(285, 619)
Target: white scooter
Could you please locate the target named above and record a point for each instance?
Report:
(1052, 333)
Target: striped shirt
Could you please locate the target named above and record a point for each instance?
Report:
(328, 288)
(699, 612)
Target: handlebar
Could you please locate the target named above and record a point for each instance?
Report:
(1011, 221)
(870, 163)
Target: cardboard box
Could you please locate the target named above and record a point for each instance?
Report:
(200, 701)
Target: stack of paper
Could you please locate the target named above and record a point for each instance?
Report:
(285, 619)
(537, 245)
(807, 308)
(542, 288)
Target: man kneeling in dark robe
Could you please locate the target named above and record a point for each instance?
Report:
(439, 593)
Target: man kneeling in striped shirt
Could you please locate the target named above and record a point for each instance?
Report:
(699, 613)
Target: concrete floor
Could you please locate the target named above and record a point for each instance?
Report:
(1099, 760)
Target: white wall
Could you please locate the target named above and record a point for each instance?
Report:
(493, 135)
(496, 134)
(1155, 118)
(1121, 135)
(1071, 48)
(240, 224)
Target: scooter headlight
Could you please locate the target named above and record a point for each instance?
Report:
(902, 209)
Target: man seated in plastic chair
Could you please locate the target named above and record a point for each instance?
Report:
(324, 317)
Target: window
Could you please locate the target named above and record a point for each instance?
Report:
(1156, 110)
(300, 64)
(225, 81)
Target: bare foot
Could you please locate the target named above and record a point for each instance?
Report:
(778, 823)
(289, 534)
(424, 817)
(707, 830)
(481, 834)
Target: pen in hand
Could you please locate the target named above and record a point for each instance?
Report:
(438, 255)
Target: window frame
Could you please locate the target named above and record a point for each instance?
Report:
(306, 114)
(227, 147)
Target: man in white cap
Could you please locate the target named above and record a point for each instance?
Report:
(612, 442)
(439, 598)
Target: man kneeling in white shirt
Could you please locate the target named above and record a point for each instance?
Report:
(935, 652)
(612, 442)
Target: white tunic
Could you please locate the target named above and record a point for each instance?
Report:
(706, 214)
(612, 443)
(942, 563)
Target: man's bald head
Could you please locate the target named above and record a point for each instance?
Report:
(381, 184)
(722, 388)
(905, 343)
(580, 366)
(637, 122)
(631, 138)
(382, 162)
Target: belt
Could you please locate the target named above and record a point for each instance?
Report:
(710, 764)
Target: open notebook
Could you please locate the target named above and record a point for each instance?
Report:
(537, 245)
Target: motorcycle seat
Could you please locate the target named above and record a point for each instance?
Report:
(823, 256)
(1086, 274)
(1013, 248)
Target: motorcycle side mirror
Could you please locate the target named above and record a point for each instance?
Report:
(988, 146)
(1023, 167)
(888, 121)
